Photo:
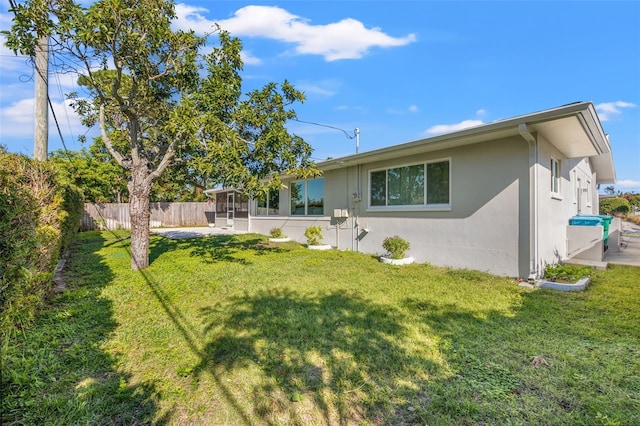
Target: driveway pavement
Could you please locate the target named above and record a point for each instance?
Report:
(629, 253)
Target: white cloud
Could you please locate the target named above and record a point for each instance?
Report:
(326, 87)
(607, 110)
(448, 128)
(249, 59)
(10, 61)
(313, 89)
(481, 112)
(66, 81)
(414, 108)
(628, 183)
(189, 18)
(17, 119)
(346, 39)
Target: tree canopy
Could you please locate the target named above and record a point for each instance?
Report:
(161, 104)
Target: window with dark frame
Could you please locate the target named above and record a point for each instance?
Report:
(307, 197)
(269, 204)
(409, 185)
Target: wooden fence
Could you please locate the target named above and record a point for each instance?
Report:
(116, 215)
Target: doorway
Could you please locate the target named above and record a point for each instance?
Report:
(230, 208)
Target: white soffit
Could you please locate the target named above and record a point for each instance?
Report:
(568, 135)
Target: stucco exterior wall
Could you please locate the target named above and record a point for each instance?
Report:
(488, 223)
(482, 229)
(577, 194)
(293, 227)
(486, 227)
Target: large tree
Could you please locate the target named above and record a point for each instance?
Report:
(159, 102)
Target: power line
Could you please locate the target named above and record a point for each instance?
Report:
(347, 134)
(356, 131)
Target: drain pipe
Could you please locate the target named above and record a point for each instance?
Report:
(357, 198)
(533, 201)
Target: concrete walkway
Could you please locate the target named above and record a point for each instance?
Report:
(629, 253)
(182, 233)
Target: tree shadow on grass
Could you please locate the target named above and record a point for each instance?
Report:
(335, 356)
(57, 373)
(280, 357)
(216, 248)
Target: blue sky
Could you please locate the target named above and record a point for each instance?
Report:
(402, 70)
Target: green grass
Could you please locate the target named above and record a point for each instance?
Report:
(235, 330)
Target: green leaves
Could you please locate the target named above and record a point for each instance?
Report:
(157, 109)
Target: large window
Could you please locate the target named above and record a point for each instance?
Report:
(414, 185)
(307, 198)
(269, 205)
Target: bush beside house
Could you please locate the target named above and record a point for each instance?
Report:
(313, 235)
(39, 217)
(613, 206)
(395, 246)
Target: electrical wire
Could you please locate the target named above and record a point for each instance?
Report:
(347, 134)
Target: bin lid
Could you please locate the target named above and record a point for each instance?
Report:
(585, 221)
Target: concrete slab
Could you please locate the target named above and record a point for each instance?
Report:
(629, 253)
(583, 262)
(195, 232)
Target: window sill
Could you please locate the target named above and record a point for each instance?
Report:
(556, 196)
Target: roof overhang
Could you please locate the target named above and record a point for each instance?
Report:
(213, 191)
(573, 129)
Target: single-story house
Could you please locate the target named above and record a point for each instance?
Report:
(497, 197)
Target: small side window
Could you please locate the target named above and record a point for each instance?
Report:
(555, 176)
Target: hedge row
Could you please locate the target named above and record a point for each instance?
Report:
(614, 206)
(39, 218)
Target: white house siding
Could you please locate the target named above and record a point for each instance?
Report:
(555, 210)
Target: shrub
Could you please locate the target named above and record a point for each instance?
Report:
(569, 273)
(395, 246)
(314, 235)
(38, 220)
(276, 233)
(615, 205)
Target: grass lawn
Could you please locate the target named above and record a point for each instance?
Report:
(238, 331)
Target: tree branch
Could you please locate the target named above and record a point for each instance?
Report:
(107, 141)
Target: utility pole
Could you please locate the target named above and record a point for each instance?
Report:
(41, 110)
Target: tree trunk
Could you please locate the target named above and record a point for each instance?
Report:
(139, 194)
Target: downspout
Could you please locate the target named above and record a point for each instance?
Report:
(356, 206)
(533, 201)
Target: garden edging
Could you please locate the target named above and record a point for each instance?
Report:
(579, 285)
